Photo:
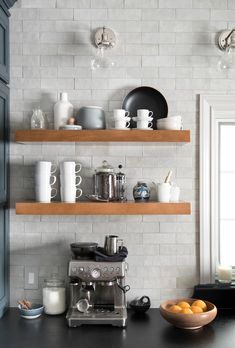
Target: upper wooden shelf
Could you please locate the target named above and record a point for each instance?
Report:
(103, 208)
(106, 135)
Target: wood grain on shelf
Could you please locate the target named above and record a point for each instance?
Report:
(106, 135)
(103, 208)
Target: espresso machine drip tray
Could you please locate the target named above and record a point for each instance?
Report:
(117, 317)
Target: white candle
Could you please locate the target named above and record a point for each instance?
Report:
(225, 274)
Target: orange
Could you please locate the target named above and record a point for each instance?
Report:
(186, 311)
(196, 309)
(183, 304)
(200, 303)
(175, 309)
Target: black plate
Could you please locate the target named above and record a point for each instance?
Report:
(146, 98)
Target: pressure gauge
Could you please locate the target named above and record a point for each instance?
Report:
(95, 273)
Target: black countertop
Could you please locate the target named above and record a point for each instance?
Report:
(146, 331)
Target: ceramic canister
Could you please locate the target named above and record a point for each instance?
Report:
(91, 117)
(141, 192)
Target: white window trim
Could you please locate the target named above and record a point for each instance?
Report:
(213, 109)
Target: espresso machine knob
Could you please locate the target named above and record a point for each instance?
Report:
(96, 273)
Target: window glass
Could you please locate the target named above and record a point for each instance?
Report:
(226, 197)
(2, 45)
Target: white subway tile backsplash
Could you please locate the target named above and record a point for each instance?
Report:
(73, 4)
(38, 4)
(175, 3)
(56, 14)
(158, 14)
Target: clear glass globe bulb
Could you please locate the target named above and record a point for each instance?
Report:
(101, 61)
(227, 60)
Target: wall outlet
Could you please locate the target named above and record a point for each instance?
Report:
(31, 278)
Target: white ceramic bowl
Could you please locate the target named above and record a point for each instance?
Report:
(169, 125)
(171, 118)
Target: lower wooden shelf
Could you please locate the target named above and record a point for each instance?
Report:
(100, 208)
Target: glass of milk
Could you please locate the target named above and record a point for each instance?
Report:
(54, 295)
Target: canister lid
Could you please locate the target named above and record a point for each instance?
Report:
(54, 281)
(106, 168)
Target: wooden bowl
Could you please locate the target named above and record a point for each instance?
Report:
(188, 321)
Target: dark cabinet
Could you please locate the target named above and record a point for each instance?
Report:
(4, 111)
(4, 128)
(4, 114)
(4, 44)
(3, 259)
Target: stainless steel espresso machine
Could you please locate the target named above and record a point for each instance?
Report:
(97, 293)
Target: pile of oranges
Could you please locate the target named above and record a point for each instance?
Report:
(184, 307)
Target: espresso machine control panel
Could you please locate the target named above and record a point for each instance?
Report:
(96, 271)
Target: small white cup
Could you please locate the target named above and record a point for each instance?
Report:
(143, 113)
(70, 194)
(122, 124)
(142, 118)
(45, 168)
(120, 113)
(163, 192)
(68, 167)
(45, 180)
(175, 193)
(44, 194)
(125, 119)
(70, 180)
(144, 124)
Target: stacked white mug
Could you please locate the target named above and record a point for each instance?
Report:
(69, 181)
(121, 119)
(44, 180)
(144, 119)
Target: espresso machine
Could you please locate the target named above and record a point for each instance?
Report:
(97, 293)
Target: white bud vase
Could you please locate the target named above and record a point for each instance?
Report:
(63, 110)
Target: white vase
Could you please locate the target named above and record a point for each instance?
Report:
(63, 110)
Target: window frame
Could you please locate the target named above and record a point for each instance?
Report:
(214, 109)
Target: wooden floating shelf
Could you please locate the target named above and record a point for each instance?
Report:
(106, 135)
(103, 208)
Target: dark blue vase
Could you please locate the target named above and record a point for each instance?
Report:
(141, 192)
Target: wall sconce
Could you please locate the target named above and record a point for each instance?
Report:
(226, 42)
(104, 39)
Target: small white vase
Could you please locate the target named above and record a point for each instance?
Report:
(63, 110)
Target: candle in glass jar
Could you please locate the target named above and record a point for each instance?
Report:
(225, 274)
